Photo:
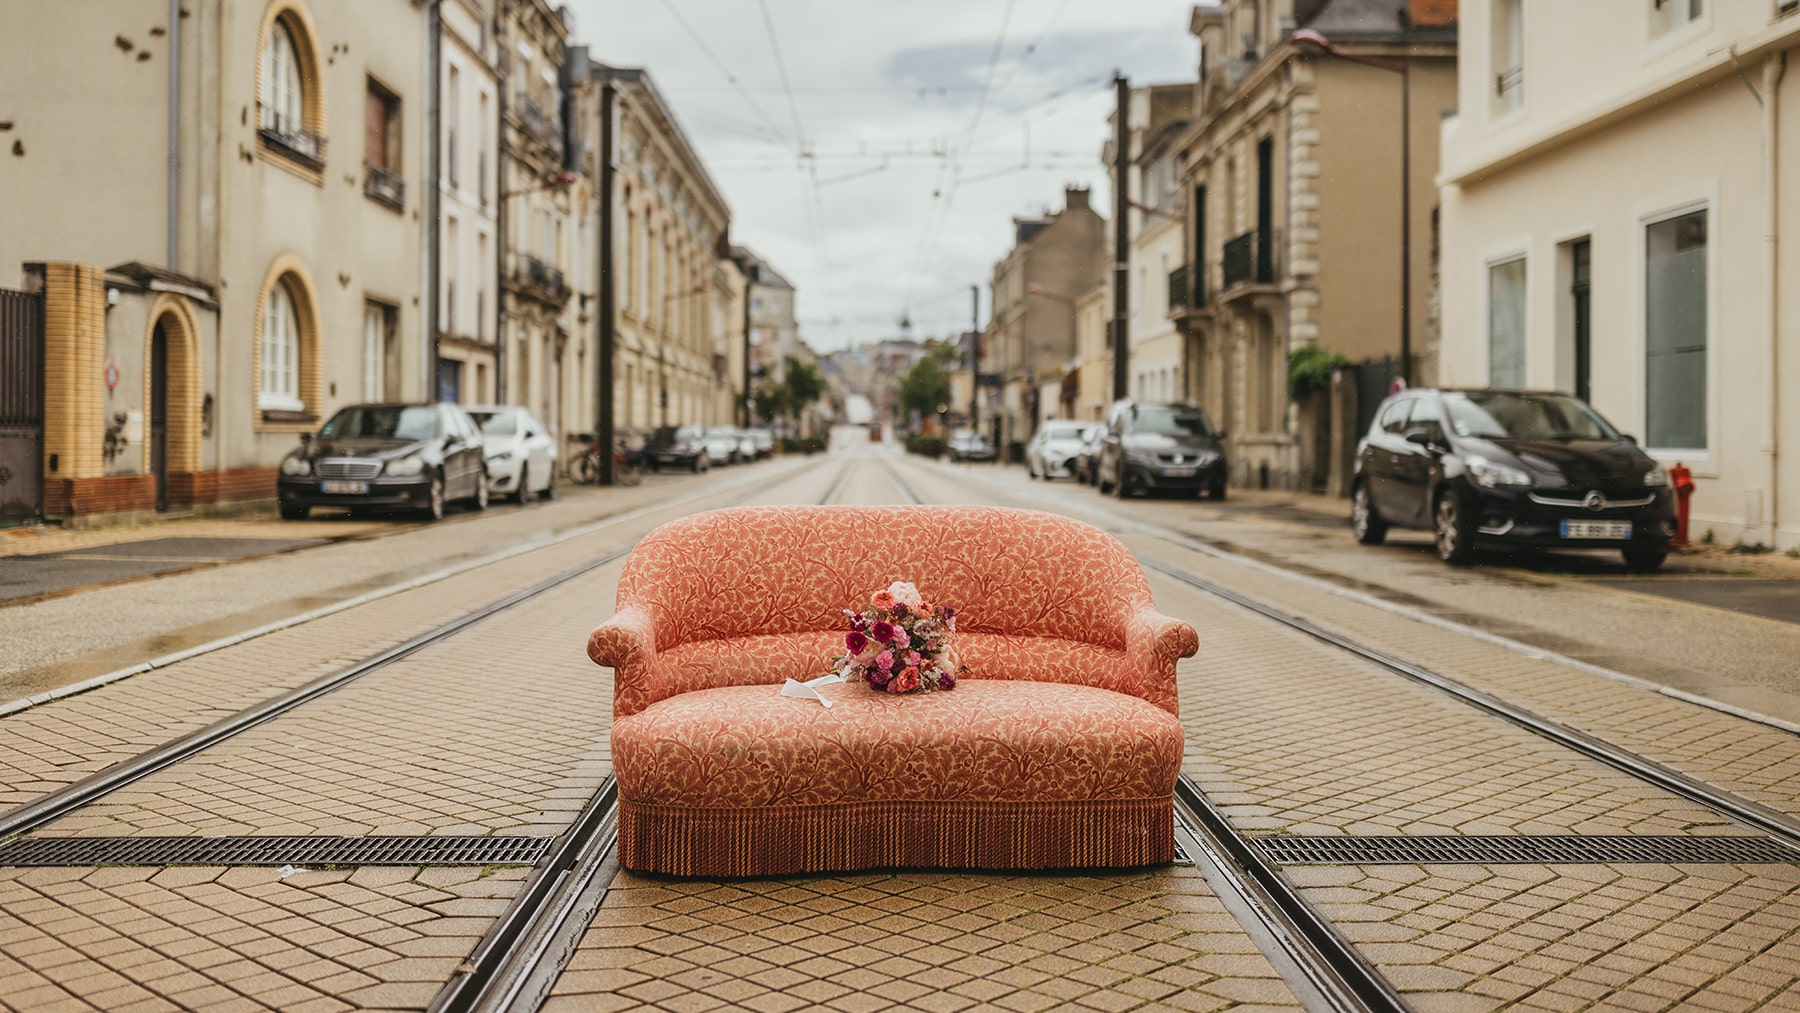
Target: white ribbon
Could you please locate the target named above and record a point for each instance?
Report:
(808, 690)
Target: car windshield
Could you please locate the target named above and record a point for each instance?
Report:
(496, 423)
(1499, 415)
(1172, 421)
(665, 436)
(1064, 432)
(382, 422)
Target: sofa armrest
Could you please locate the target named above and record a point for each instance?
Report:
(1153, 644)
(626, 643)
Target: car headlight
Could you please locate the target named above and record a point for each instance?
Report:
(294, 465)
(1657, 475)
(1488, 474)
(406, 467)
(1141, 457)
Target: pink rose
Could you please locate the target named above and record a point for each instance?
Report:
(884, 660)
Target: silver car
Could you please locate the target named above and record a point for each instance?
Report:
(723, 444)
(521, 453)
(1053, 450)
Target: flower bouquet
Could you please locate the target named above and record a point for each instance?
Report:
(901, 643)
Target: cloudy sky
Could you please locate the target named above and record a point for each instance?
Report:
(927, 125)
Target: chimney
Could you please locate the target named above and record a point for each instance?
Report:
(1075, 197)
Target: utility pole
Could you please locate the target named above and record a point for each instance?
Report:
(975, 357)
(434, 199)
(502, 86)
(608, 325)
(1121, 234)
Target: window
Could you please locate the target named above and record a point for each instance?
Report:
(481, 154)
(378, 336)
(452, 262)
(1508, 59)
(481, 272)
(1506, 323)
(1675, 338)
(452, 120)
(1668, 15)
(280, 389)
(381, 147)
(282, 99)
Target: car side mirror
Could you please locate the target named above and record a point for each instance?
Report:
(1629, 438)
(1423, 438)
(1221, 434)
(306, 438)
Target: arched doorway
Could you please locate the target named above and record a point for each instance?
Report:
(159, 413)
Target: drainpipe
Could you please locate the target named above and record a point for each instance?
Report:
(434, 197)
(1773, 70)
(174, 133)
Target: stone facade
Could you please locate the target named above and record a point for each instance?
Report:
(1292, 185)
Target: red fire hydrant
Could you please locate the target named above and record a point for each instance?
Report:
(1683, 481)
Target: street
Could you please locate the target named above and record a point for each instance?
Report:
(495, 728)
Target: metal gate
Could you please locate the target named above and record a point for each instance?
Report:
(21, 406)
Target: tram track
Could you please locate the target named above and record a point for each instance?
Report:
(1317, 958)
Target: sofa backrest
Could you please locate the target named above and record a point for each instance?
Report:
(747, 571)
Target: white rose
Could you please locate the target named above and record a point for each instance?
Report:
(906, 594)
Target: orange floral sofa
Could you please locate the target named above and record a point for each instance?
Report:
(1058, 747)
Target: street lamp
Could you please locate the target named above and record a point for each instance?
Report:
(1309, 37)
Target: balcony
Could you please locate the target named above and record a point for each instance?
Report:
(540, 122)
(1187, 295)
(293, 139)
(384, 188)
(532, 277)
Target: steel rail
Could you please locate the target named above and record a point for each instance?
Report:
(61, 802)
(1776, 824)
(1339, 976)
(507, 969)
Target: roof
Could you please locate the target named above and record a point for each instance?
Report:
(758, 270)
(1376, 19)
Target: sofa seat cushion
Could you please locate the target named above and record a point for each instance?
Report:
(995, 774)
(986, 740)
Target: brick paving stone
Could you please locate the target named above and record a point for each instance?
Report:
(988, 957)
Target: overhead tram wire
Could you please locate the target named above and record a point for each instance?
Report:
(809, 173)
(720, 64)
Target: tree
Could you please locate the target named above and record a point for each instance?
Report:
(804, 385)
(927, 384)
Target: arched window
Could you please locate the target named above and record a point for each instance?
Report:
(280, 387)
(282, 98)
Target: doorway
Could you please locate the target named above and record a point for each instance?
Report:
(1579, 291)
(159, 414)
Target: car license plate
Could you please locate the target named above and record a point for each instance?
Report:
(1596, 529)
(1179, 472)
(339, 487)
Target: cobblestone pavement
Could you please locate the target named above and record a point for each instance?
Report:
(502, 729)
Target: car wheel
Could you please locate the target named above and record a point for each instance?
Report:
(1365, 523)
(294, 511)
(1217, 490)
(522, 495)
(1455, 531)
(550, 486)
(1118, 488)
(480, 500)
(434, 504)
(1645, 560)
(701, 464)
(1100, 483)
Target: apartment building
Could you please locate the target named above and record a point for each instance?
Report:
(1294, 176)
(1055, 259)
(221, 218)
(1617, 183)
(468, 274)
(671, 227)
(774, 331)
(1155, 117)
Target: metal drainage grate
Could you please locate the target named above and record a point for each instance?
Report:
(1558, 849)
(311, 851)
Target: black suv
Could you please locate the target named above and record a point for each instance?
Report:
(1509, 468)
(1160, 447)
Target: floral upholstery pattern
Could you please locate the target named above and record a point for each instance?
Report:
(1059, 746)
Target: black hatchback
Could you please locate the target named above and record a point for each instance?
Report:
(1160, 448)
(409, 456)
(1509, 468)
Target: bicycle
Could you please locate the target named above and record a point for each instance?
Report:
(585, 468)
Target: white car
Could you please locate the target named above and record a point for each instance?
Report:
(1052, 451)
(723, 445)
(521, 453)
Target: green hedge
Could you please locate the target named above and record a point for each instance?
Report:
(801, 444)
(925, 446)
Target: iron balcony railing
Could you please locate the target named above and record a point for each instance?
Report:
(1187, 288)
(1247, 260)
(540, 122)
(292, 138)
(536, 276)
(384, 187)
(1178, 288)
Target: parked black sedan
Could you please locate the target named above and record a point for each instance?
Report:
(1509, 468)
(1160, 448)
(406, 456)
